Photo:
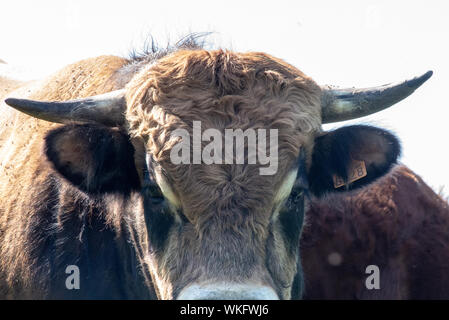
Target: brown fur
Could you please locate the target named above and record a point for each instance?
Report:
(223, 90)
(229, 205)
(8, 85)
(24, 171)
(397, 223)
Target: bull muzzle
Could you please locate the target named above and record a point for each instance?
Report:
(227, 291)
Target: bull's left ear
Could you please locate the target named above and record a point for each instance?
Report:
(351, 157)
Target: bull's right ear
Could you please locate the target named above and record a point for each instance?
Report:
(351, 157)
(94, 158)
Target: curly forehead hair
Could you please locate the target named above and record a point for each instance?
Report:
(223, 90)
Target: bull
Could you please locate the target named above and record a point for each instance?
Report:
(397, 224)
(87, 180)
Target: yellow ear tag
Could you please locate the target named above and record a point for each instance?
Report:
(357, 170)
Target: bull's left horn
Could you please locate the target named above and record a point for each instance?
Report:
(107, 109)
(352, 103)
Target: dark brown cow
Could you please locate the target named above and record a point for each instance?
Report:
(398, 224)
(101, 193)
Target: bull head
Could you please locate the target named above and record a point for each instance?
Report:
(220, 231)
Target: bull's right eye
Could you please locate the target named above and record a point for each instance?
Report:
(153, 192)
(151, 189)
(157, 217)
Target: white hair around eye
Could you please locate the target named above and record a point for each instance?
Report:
(166, 190)
(286, 187)
(162, 182)
(283, 192)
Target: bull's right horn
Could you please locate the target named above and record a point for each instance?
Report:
(107, 109)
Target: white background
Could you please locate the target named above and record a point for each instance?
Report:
(344, 43)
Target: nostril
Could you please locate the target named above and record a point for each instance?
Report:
(227, 291)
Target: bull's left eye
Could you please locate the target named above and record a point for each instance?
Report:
(301, 185)
(298, 190)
